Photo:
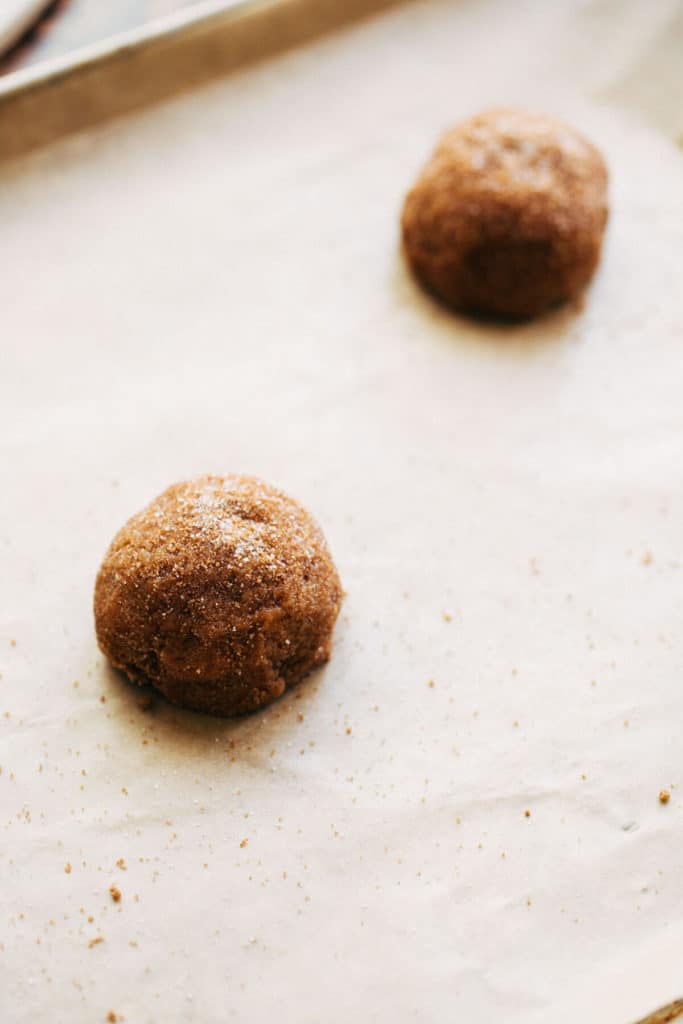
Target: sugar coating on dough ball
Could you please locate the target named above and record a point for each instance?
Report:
(222, 593)
(508, 216)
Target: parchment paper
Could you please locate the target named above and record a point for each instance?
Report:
(216, 285)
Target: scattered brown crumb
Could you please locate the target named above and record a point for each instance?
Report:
(447, 617)
(430, 684)
(67, 868)
(348, 730)
(243, 843)
(121, 864)
(111, 1016)
(13, 643)
(103, 699)
(648, 558)
(527, 814)
(664, 796)
(300, 717)
(115, 893)
(96, 941)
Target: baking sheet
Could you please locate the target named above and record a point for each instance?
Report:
(215, 285)
(144, 65)
(67, 29)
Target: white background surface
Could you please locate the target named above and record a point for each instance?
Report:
(216, 285)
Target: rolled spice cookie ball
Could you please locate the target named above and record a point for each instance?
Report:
(221, 593)
(508, 216)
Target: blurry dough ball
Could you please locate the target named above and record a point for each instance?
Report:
(507, 217)
(222, 593)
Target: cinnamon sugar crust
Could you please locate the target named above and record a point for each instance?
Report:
(221, 593)
(507, 218)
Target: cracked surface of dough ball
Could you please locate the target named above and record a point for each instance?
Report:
(222, 593)
(508, 216)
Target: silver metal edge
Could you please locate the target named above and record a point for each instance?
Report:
(146, 66)
(202, 17)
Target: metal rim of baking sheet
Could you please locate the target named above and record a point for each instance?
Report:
(146, 65)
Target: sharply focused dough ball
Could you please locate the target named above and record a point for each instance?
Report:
(222, 593)
(507, 217)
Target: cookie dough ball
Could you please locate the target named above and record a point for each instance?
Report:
(507, 217)
(222, 593)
